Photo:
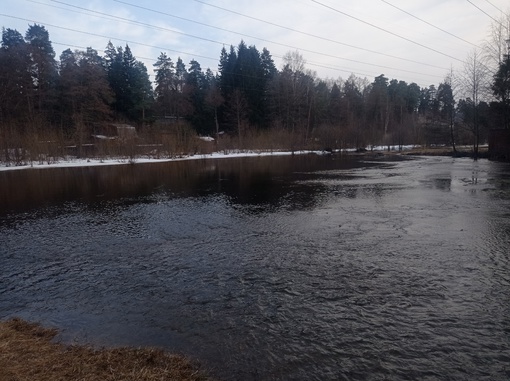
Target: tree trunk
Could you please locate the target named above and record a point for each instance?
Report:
(217, 126)
(452, 135)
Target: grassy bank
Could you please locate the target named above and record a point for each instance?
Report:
(27, 352)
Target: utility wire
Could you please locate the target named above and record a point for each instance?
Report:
(292, 30)
(156, 47)
(426, 22)
(385, 30)
(485, 13)
(224, 43)
(360, 74)
(109, 37)
(136, 22)
(142, 44)
(173, 50)
(344, 70)
(499, 9)
(84, 48)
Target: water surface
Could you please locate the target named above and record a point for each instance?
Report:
(313, 268)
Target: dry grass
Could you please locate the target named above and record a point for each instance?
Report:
(28, 353)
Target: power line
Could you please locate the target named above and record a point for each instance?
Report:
(137, 22)
(485, 13)
(109, 37)
(156, 47)
(317, 64)
(125, 20)
(347, 70)
(296, 31)
(84, 48)
(499, 9)
(426, 22)
(386, 31)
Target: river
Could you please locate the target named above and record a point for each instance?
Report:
(271, 268)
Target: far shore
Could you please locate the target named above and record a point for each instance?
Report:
(462, 151)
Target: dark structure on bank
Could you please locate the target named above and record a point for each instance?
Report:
(499, 144)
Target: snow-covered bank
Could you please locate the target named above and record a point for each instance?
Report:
(73, 162)
(90, 162)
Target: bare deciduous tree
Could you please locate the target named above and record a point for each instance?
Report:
(475, 83)
(496, 45)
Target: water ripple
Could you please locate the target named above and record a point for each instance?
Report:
(393, 271)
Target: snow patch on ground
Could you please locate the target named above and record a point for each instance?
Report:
(73, 162)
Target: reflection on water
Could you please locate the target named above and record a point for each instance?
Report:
(246, 180)
(310, 268)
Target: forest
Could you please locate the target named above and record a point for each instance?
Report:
(50, 107)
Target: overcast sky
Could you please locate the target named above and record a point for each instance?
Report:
(334, 37)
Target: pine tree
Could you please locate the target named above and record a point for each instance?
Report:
(181, 94)
(43, 69)
(213, 99)
(501, 90)
(180, 75)
(196, 87)
(16, 89)
(165, 79)
(446, 103)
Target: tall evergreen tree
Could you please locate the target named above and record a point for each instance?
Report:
(180, 75)
(334, 107)
(428, 105)
(165, 79)
(213, 99)
(446, 104)
(379, 107)
(85, 95)
(268, 68)
(413, 98)
(16, 87)
(43, 69)
(226, 69)
(351, 111)
(181, 93)
(321, 104)
(196, 86)
(501, 90)
(129, 81)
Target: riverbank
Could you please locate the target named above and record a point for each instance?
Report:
(90, 162)
(462, 151)
(28, 352)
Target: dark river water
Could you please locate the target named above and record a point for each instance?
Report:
(282, 268)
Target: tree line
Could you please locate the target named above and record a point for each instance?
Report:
(75, 95)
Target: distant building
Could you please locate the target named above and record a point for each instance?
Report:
(112, 131)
